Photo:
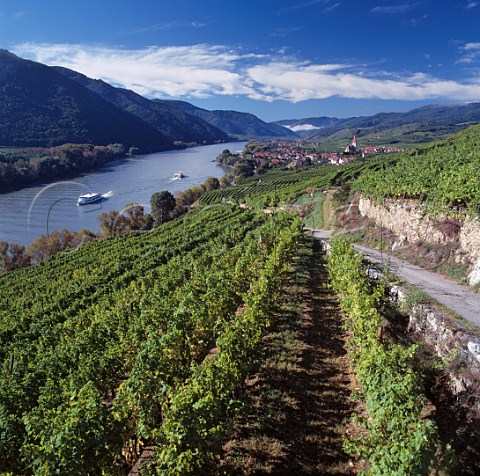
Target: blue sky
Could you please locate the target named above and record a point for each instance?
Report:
(275, 58)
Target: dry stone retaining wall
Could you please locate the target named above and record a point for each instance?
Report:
(407, 221)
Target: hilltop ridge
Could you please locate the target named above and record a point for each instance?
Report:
(41, 107)
(419, 125)
(163, 115)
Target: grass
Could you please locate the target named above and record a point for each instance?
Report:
(314, 219)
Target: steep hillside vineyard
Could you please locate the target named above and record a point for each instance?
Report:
(283, 186)
(103, 349)
(398, 439)
(444, 176)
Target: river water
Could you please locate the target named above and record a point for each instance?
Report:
(34, 211)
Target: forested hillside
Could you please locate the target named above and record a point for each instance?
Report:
(163, 115)
(238, 124)
(41, 107)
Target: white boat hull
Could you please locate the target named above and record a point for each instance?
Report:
(89, 198)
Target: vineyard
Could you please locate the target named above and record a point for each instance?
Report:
(443, 175)
(284, 186)
(398, 439)
(136, 341)
(140, 344)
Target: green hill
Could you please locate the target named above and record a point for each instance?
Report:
(417, 126)
(41, 107)
(163, 115)
(443, 175)
(240, 125)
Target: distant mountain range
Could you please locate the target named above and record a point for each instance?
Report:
(240, 125)
(45, 106)
(419, 125)
(41, 107)
(163, 115)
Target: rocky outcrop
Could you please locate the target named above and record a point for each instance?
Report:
(470, 243)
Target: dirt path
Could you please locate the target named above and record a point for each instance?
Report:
(458, 298)
(297, 402)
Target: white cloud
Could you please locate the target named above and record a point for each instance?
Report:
(332, 7)
(472, 47)
(282, 32)
(20, 14)
(303, 127)
(470, 53)
(296, 83)
(394, 9)
(470, 4)
(176, 71)
(169, 26)
(206, 70)
(302, 5)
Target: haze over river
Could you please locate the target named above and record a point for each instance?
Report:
(31, 212)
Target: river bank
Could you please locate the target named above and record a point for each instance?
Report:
(24, 167)
(33, 211)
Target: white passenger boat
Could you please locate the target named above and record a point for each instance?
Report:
(89, 198)
(178, 175)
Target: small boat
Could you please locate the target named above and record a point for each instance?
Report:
(89, 198)
(178, 175)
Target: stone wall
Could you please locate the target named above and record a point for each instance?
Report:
(457, 346)
(406, 220)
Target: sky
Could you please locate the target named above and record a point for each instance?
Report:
(277, 59)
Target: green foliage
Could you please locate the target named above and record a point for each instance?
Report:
(23, 166)
(102, 348)
(162, 203)
(71, 433)
(398, 440)
(195, 417)
(211, 183)
(443, 176)
(227, 158)
(279, 187)
(419, 125)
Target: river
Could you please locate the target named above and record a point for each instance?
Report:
(31, 212)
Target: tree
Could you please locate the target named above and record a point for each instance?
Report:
(135, 216)
(112, 223)
(211, 183)
(57, 241)
(226, 180)
(162, 203)
(12, 256)
(243, 169)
